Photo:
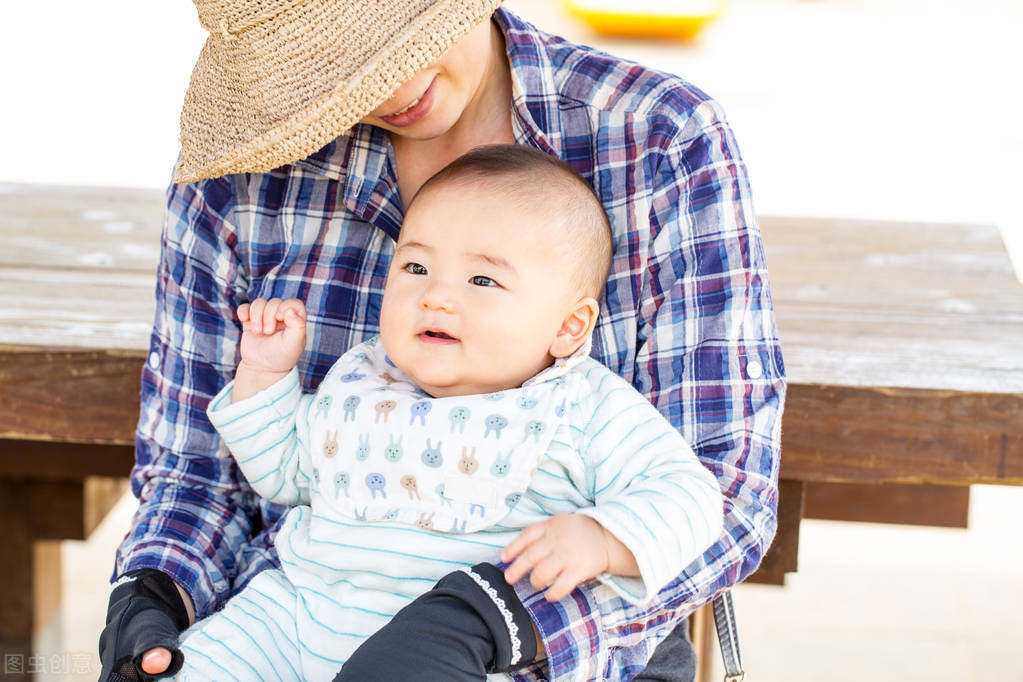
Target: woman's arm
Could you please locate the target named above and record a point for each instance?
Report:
(196, 511)
(707, 357)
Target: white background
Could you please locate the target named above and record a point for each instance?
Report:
(905, 109)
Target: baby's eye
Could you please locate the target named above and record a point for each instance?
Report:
(482, 281)
(415, 269)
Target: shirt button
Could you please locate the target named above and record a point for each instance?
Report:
(154, 360)
(754, 370)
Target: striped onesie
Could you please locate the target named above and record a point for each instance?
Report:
(393, 489)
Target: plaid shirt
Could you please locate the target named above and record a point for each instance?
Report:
(686, 317)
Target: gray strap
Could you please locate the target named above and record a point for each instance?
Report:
(728, 637)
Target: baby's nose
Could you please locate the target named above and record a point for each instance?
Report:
(437, 297)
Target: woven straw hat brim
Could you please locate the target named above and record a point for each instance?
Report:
(275, 92)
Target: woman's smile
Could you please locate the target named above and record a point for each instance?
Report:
(414, 111)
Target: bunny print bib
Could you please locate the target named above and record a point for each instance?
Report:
(383, 450)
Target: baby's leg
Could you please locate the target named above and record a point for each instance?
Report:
(252, 638)
(470, 624)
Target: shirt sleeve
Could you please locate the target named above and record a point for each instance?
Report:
(196, 512)
(708, 359)
(268, 435)
(649, 489)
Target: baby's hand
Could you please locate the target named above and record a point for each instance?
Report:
(562, 552)
(273, 334)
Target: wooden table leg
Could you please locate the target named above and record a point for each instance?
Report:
(704, 638)
(780, 559)
(783, 555)
(16, 587)
(30, 510)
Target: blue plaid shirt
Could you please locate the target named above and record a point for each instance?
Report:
(686, 317)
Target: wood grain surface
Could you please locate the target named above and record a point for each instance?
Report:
(903, 342)
(903, 305)
(78, 266)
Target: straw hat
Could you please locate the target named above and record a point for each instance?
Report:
(279, 79)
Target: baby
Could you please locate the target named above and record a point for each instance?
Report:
(474, 431)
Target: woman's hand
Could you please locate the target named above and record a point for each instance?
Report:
(156, 661)
(144, 619)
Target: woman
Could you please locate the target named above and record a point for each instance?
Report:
(306, 130)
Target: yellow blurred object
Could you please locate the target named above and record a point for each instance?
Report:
(678, 19)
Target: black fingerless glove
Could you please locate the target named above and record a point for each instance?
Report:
(456, 632)
(145, 611)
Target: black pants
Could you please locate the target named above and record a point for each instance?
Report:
(471, 623)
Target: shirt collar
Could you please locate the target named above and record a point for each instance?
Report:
(372, 192)
(536, 118)
(562, 366)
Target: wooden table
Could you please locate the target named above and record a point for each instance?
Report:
(903, 344)
(76, 286)
(904, 350)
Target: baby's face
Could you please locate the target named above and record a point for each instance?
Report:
(476, 294)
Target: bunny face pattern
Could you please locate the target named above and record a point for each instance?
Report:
(425, 520)
(526, 401)
(408, 482)
(535, 429)
(419, 411)
(341, 482)
(323, 404)
(495, 423)
(376, 483)
(393, 451)
(330, 445)
(384, 408)
(352, 376)
(431, 455)
(350, 405)
(362, 451)
(458, 416)
(501, 465)
(468, 463)
(475, 453)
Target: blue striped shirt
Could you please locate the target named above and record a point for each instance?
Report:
(358, 548)
(687, 319)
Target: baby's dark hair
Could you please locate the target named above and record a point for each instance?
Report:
(532, 179)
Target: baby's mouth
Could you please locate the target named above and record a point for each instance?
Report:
(436, 336)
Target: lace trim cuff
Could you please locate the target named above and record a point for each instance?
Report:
(509, 621)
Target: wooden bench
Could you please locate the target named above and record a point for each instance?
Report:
(903, 344)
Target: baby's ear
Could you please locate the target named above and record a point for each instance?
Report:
(576, 327)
